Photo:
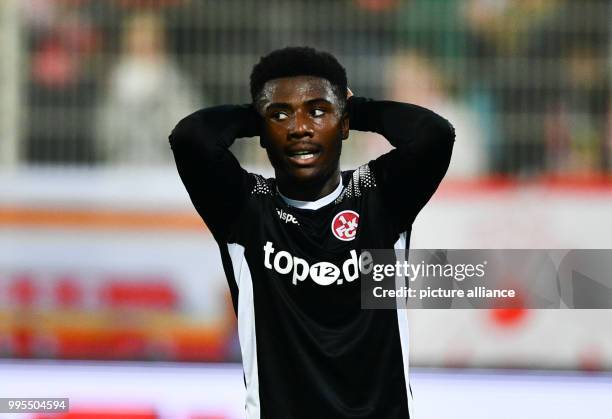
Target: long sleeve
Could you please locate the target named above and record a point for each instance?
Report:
(409, 174)
(217, 185)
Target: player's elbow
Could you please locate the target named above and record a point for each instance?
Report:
(443, 132)
(442, 140)
(183, 133)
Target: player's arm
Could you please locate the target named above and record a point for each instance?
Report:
(217, 185)
(409, 174)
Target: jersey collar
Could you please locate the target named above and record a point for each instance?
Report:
(313, 205)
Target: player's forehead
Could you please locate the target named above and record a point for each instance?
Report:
(297, 90)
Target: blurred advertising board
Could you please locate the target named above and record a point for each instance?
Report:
(116, 264)
(129, 390)
(87, 272)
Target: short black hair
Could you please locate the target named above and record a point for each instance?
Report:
(299, 61)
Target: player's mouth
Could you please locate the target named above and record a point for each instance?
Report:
(303, 157)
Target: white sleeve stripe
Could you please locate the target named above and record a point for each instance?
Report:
(402, 322)
(246, 329)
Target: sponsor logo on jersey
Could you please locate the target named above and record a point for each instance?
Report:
(286, 217)
(322, 273)
(344, 225)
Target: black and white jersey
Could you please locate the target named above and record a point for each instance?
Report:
(308, 349)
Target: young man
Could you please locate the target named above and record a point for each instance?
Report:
(308, 349)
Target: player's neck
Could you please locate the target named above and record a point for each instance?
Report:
(302, 192)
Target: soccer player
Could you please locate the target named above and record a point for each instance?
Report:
(308, 349)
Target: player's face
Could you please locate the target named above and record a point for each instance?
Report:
(303, 129)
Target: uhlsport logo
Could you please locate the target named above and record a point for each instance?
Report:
(344, 225)
(286, 217)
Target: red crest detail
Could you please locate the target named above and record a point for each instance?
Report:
(344, 225)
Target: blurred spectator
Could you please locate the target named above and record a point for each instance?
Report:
(413, 78)
(146, 95)
(62, 88)
(377, 5)
(500, 33)
(545, 62)
(435, 26)
(533, 75)
(577, 110)
(503, 24)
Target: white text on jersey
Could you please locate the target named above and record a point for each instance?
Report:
(286, 217)
(322, 273)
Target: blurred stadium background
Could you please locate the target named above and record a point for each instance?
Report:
(102, 257)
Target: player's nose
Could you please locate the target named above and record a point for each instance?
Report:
(301, 126)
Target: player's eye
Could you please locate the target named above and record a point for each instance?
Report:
(317, 112)
(280, 116)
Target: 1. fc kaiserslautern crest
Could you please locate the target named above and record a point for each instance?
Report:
(344, 225)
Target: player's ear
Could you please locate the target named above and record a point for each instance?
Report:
(344, 125)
